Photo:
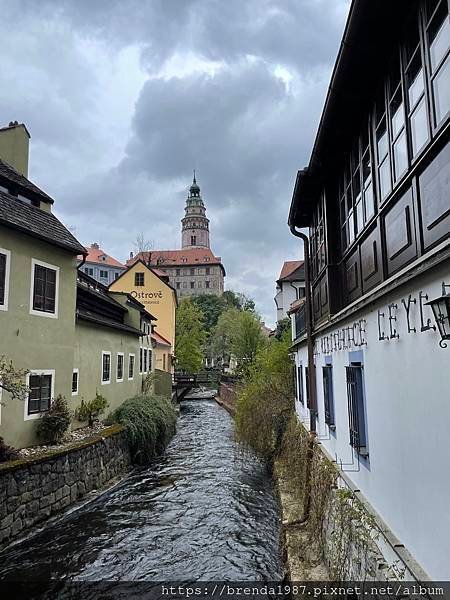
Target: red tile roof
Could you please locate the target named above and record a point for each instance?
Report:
(99, 256)
(171, 258)
(159, 339)
(289, 267)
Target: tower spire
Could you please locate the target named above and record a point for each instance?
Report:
(195, 224)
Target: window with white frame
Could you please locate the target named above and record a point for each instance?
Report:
(130, 366)
(106, 367)
(141, 359)
(145, 360)
(41, 387)
(5, 260)
(119, 374)
(44, 289)
(75, 379)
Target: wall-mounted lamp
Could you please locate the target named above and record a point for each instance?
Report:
(441, 311)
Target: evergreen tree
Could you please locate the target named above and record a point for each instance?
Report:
(190, 336)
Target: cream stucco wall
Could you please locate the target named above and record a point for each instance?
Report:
(158, 298)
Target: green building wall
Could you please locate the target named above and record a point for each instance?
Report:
(90, 341)
(35, 342)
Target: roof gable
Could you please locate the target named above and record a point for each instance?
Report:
(37, 223)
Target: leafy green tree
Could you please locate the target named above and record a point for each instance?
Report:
(222, 336)
(283, 326)
(212, 307)
(238, 334)
(246, 339)
(12, 380)
(190, 336)
(237, 300)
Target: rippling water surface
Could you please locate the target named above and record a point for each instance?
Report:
(202, 511)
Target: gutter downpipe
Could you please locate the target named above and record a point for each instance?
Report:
(309, 332)
(311, 378)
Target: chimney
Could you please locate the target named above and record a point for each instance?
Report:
(15, 145)
(131, 255)
(95, 245)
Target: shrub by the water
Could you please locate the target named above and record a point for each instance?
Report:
(7, 452)
(55, 422)
(91, 410)
(150, 423)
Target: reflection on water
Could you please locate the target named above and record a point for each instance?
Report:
(204, 511)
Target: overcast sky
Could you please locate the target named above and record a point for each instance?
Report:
(123, 98)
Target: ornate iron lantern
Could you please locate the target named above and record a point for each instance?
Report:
(441, 311)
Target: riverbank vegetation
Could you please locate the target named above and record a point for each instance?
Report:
(190, 336)
(326, 525)
(149, 422)
(265, 398)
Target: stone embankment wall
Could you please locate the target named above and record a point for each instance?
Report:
(227, 396)
(33, 489)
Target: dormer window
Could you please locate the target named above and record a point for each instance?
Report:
(29, 201)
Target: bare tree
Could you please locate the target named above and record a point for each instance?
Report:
(144, 247)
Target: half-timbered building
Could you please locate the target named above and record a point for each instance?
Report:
(375, 198)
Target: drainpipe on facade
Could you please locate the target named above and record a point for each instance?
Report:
(309, 332)
(311, 377)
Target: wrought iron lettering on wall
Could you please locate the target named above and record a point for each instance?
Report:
(346, 338)
(389, 317)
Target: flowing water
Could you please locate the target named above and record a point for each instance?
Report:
(203, 511)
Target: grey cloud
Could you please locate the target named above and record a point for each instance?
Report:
(243, 130)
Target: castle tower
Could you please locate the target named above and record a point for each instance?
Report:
(195, 225)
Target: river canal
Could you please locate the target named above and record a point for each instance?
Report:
(203, 511)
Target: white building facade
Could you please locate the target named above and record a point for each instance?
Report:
(290, 286)
(376, 200)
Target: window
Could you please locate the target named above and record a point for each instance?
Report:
(103, 274)
(357, 199)
(178, 272)
(141, 351)
(89, 271)
(44, 289)
(178, 285)
(75, 382)
(40, 384)
(206, 284)
(116, 275)
(438, 41)
(130, 366)
(5, 259)
(192, 271)
(145, 359)
(193, 240)
(164, 362)
(119, 366)
(207, 269)
(185, 284)
(356, 409)
(300, 384)
(318, 240)
(139, 279)
(415, 90)
(328, 398)
(106, 367)
(150, 359)
(192, 285)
